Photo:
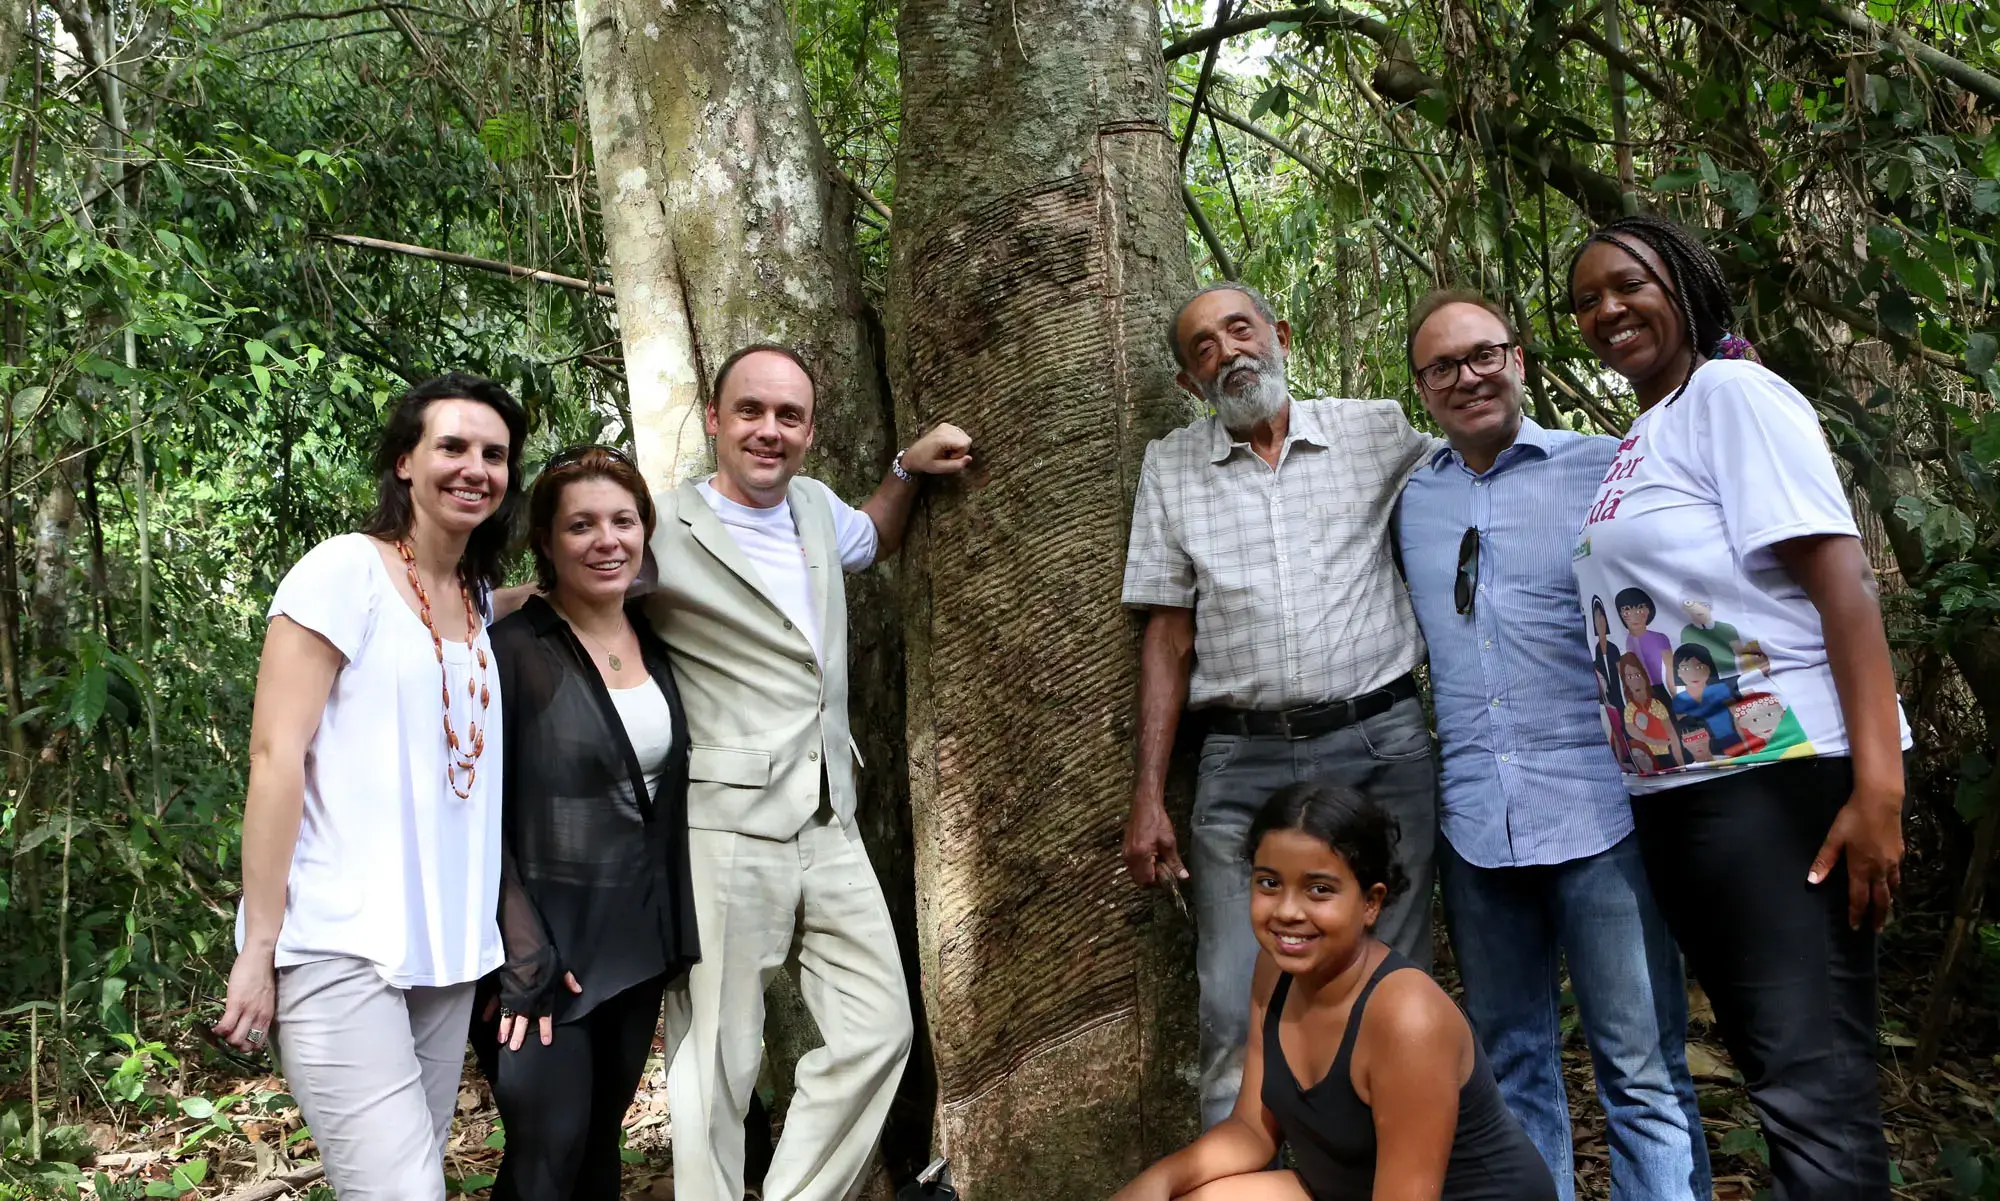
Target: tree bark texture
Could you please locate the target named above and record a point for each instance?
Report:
(724, 228)
(1038, 252)
(13, 27)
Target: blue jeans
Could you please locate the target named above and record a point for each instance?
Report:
(1509, 928)
(1387, 758)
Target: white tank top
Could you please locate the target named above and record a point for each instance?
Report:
(649, 726)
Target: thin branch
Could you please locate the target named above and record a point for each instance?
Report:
(1201, 84)
(1223, 262)
(860, 191)
(1308, 16)
(1860, 322)
(1228, 177)
(1968, 77)
(343, 14)
(1403, 248)
(324, 40)
(132, 172)
(495, 266)
(1312, 165)
(1396, 133)
(1622, 60)
(1319, 172)
(1605, 421)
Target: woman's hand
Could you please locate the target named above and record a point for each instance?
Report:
(514, 1026)
(1869, 831)
(252, 1003)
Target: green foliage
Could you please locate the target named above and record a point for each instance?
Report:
(193, 341)
(192, 344)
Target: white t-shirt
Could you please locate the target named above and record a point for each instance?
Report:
(391, 864)
(649, 727)
(1721, 658)
(769, 538)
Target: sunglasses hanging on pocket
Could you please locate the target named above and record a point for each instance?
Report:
(1465, 588)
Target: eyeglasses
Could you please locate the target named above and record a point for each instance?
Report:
(1466, 587)
(574, 454)
(1485, 361)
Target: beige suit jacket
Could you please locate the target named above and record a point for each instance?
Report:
(767, 723)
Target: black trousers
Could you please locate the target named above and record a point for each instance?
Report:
(1793, 986)
(565, 1103)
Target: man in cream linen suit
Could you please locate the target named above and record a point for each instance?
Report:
(753, 609)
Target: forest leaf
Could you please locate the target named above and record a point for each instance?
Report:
(1275, 99)
(1923, 279)
(1745, 1140)
(1986, 196)
(1979, 351)
(1946, 532)
(1898, 312)
(1743, 194)
(1675, 181)
(88, 703)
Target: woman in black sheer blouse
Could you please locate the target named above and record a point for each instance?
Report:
(595, 904)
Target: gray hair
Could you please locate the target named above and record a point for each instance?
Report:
(1257, 302)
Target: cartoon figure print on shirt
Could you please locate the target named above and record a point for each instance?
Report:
(1701, 699)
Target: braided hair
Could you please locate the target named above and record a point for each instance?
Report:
(1694, 283)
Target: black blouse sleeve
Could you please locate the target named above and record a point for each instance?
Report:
(533, 969)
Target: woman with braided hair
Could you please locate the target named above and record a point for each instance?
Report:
(1774, 858)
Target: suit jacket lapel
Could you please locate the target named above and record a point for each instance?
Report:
(806, 511)
(708, 530)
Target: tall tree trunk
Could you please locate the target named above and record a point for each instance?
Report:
(13, 28)
(723, 228)
(1038, 253)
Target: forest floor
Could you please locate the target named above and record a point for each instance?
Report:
(1942, 1127)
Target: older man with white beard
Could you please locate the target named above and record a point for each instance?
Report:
(1260, 549)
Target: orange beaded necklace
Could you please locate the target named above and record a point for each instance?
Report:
(460, 756)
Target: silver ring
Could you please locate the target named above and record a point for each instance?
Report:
(256, 1038)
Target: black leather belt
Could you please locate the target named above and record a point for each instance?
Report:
(1312, 720)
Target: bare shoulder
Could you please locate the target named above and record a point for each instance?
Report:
(1409, 1010)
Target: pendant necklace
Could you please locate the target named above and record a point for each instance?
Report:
(610, 656)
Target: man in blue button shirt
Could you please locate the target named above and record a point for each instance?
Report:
(1538, 861)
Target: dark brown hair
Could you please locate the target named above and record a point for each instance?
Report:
(1354, 827)
(484, 562)
(570, 467)
(729, 364)
(1429, 305)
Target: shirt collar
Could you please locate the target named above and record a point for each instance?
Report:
(1301, 426)
(1530, 439)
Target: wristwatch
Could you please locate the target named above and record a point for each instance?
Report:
(896, 465)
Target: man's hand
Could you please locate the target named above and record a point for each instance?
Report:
(1150, 846)
(944, 449)
(1869, 830)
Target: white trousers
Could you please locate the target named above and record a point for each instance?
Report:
(375, 1070)
(759, 902)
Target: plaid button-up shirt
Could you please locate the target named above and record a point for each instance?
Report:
(1289, 570)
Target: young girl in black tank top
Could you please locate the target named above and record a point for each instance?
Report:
(1356, 1060)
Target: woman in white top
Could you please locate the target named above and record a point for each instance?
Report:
(596, 906)
(371, 833)
(1768, 812)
